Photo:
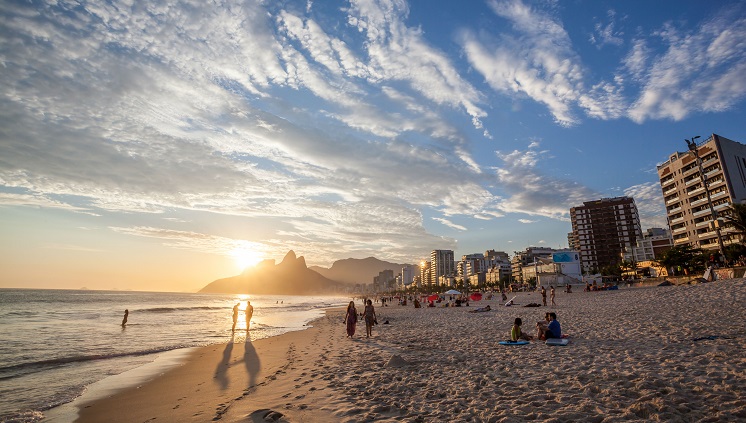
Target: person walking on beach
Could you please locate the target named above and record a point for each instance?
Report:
(126, 313)
(351, 319)
(551, 295)
(544, 295)
(249, 313)
(235, 316)
(370, 318)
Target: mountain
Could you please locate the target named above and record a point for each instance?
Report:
(353, 271)
(290, 277)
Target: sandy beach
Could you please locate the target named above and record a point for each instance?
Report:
(636, 354)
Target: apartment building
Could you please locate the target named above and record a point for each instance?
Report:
(700, 183)
(654, 242)
(602, 229)
(527, 258)
(441, 264)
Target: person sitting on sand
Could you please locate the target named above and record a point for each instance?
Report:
(541, 325)
(515, 332)
(553, 330)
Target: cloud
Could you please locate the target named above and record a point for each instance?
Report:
(700, 70)
(531, 192)
(605, 33)
(538, 60)
(650, 205)
(450, 224)
(527, 221)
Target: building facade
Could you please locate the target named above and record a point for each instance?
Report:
(441, 264)
(692, 196)
(602, 229)
(654, 242)
(525, 258)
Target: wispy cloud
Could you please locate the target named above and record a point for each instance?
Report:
(650, 205)
(605, 33)
(449, 224)
(700, 71)
(532, 192)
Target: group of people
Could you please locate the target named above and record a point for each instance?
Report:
(249, 312)
(544, 295)
(369, 315)
(546, 329)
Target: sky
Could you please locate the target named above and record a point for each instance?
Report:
(161, 145)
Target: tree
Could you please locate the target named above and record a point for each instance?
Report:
(685, 256)
(736, 217)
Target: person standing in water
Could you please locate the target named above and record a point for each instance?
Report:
(124, 321)
(235, 317)
(249, 313)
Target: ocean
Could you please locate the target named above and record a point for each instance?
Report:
(56, 344)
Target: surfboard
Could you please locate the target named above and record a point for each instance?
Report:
(557, 342)
(514, 342)
(510, 300)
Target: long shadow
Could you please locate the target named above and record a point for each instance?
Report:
(221, 371)
(252, 363)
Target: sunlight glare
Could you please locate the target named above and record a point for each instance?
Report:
(246, 257)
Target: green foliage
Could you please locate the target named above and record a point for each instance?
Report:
(736, 217)
(685, 256)
(734, 251)
(611, 270)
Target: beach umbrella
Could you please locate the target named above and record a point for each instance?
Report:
(452, 292)
(433, 297)
(476, 296)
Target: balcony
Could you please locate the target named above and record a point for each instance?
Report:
(702, 212)
(678, 230)
(677, 220)
(699, 202)
(673, 200)
(674, 210)
(695, 191)
(691, 181)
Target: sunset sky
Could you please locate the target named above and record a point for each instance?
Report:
(159, 145)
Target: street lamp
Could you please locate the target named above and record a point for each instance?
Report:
(693, 148)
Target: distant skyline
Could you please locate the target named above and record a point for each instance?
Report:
(166, 144)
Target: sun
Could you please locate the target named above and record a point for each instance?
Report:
(246, 257)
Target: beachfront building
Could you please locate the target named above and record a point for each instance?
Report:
(426, 277)
(441, 264)
(408, 274)
(654, 242)
(525, 258)
(693, 197)
(602, 229)
(385, 281)
(560, 269)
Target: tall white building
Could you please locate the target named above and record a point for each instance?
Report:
(441, 264)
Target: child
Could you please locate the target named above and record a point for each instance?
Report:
(515, 332)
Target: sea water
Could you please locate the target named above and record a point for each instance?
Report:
(56, 343)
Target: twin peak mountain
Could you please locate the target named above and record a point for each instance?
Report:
(293, 277)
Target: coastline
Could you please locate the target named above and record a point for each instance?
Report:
(652, 353)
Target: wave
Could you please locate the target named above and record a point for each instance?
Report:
(43, 364)
(173, 309)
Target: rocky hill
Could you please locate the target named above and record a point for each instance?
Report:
(290, 277)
